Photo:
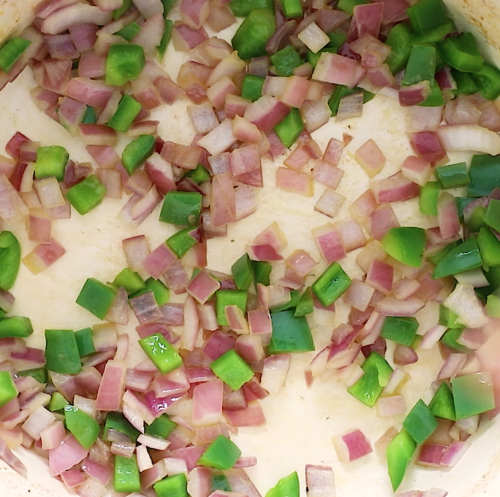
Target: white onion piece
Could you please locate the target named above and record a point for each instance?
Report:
(78, 13)
(464, 303)
(469, 137)
(275, 372)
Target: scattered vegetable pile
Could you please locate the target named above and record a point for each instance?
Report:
(290, 67)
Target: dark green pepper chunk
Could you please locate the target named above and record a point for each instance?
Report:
(137, 151)
(442, 403)
(252, 86)
(83, 427)
(117, 421)
(242, 8)
(161, 427)
(290, 333)
(221, 454)
(253, 34)
(427, 15)
(461, 53)
(400, 329)
(96, 297)
(488, 80)
(39, 374)
(331, 284)
(10, 259)
(290, 128)
(128, 109)
(15, 326)
(420, 423)
(165, 39)
(85, 341)
(243, 272)
(181, 208)
(286, 60)
(61, 352)
(172, 486)
(462, 258)
(399, 39)
(453, 175)
(181, 242)
(489, 247)
(11, 52)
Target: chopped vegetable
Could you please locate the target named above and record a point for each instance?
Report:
(8, 390)
(61, 352)
(161, 353)
(181, 208)
(221, 454)
(290, 333)
(84, 428)
(124, 63)
(127, 479)
(51, 161)
(232, 370)
(96, 297)
(86, 195)
(406, 245)
(331, 284)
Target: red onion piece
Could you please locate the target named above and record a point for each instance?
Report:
(351, 446)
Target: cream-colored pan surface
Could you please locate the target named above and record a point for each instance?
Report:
(300, 421)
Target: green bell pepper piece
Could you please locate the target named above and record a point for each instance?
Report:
(399, 454)
(172, 486)
(232, 370)
(252, 86)
(400, 329)
(130, 280)
(492, 215)
(348, 5)
(489, 247)
(57, 402)
(51, 161)
(462, 203)
(8, 390)
(159, 289)
(85, 342)
(90, 116)
(331, 284)
(488, 80)
(224, 298)
(242, 8)
(181, 208)
(137, 151)
(128, 109)
(435, 35)
(220, 482)
(448, 318)
(167, 6)
(460, 259)
(161, 427)
(442, 405)
(290, 333)
(117, 421)
(292, 8)
(435, 98)
(421, 65)
(253, 34)
(427, 15)
(286, 60)
(15, 326)
(461, 53)
(341, 92)
(466, 85)
(161, 353)
(87, 194)
(493, 306)
(221, 454)
(313, 58)
(243, 272)
(420, 423)
(291, 304)
(39, 374)
(11, 52)
(472, 394)
(399, 39)
(120, 11)
(476, 220)
(83, 427)
(305, 305)
(127, 479)
(290, 128)
(453, 175)
(181, 242)
(129, 32)
(262, 272)
(406, 245)
(288, 486)
(10, 259)
(124, 63)
(61, 352)
(198, 175)
(96, 297)
(165, 39)
(428, 199)
(484, 175)
(337, 39)
(437, 258)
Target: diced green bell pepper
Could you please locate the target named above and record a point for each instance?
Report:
(400, 329)
(442, 405)
(242, 8)
(290, 333)
(159, 289)
(51, 161)
(453, 175)
(181, 208)
(292, 8)
(161, 427)
(15, 326)
(8, 390)
(221, 454)
(253, 34)
(462, 258)
(399, 39)
(181, 242)
(493, 306)
(127, 478)
(288, 486)
(262, 272)
(399, 454)
(172, 486)
(161, 353)
(421, 65)
(342, 91)
(120, 11)
(492, 215)
(87, 194)
(137, 151)
(476, 220)
(489, 247)
(96, 297)
(117, 421)
(85, 341)
(290, 128)
(437, 258)
(223, 298)
(428, 199)
(331, 284)
(10, 259)
(90, 116)
(488, 80)
(466, 85)
(61, 352)
(484, 175)
(348, 5)
(461, 53)
(198, 175)
(130, 280)
(406, 245)
(39, 374)
(435, 98)
(83, 427)
(165, 39)
(305, 305)
(448, 318)
(232, 369)
(472, 394)
(167, 6)
(11, 52)
(128, 109)
(420, 423)
(286, 60)
(252, 86)
(57, 402)
(124, 63)
(129, 31)
(435, 35)
(220, 482)
(427, 15)
(462, 203)
(243, 272)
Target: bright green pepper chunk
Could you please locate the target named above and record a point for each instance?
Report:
(252, 86)
(448, 318)
(400, 329)
(286, 60)
(253, 34)
(427, 15)
(286, 487)
(435, 35)
(399, 453)
(159, 289)
(127, 478)
(421, 65)
(11, 52)
(476, 220)
(161, 353)
(341, 92)
(442, 403)
(262, 272)
(488, 80)
(437, 258)
(61, 352)
(15, 326)
(165, 39)
(96, 297)
(290, 128)
(232, 369)
(181, 242)
(220, 482)
(57, 402)
(399, 41)
(348, 5)
(137, 151)
(8, 390)
(10, 259)
(223, 298)
(85, 342)
(292, 8)
(129, 32)
(117, 421)
(290, 333)
(462, 258)
(198, 175)
(461, 53)
(172, 486)
(51, 161)
(83, 427)
(87, 194)
(39, 374)
(465, 83)
(489, 247)
(472, 394)
(331, 284)
(130, 280)
(420, 423)
(305, 305)
(161, 427)
(128, 109)
(428, 199)
(181, 208)
(493, 306)
(242, 8)
(242, 271)
(435, 98)
(453, 175)
(221, 454)
(492, 215)
(406, 245)
(120, 11)
(124, 63)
